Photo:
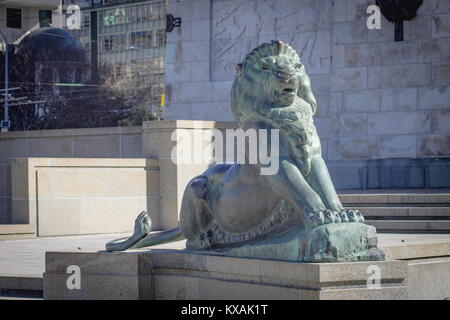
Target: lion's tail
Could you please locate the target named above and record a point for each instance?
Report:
(159, 238)
(142, 236)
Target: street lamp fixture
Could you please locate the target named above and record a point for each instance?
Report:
(5, 124)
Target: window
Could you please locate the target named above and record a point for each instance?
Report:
(114, 16)
(113, 43)
(141, 40)
(107, 44)
(86, 20)
(45, 18)
(119, 42)
(14, 18)
(160, 38)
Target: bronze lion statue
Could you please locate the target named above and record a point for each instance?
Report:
(234, 206)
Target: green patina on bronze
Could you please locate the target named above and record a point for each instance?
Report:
(292, 215)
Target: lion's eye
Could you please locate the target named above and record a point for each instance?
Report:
(264, 66)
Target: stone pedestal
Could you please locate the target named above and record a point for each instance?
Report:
(174, 274)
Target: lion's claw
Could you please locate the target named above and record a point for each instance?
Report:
(353, 216)
(356, 216)
(319, 218)
(329, 216)
(337, 217)
(360, 216)
(343, 216)
(316, 219)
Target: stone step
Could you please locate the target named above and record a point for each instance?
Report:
(22, 297)
(404, 212)
(387, 199)
(411, 225)
(16, 231)
(20, 286)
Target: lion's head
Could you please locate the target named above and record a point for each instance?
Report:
(271, 75)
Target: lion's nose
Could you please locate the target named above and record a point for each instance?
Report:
(285, 74)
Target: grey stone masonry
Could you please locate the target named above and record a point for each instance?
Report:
(377, 98)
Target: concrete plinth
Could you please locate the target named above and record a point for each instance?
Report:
(174, 274)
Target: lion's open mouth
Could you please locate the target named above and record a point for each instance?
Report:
(288, 91)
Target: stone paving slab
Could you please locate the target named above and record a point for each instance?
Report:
(27, 257)
(390, 191)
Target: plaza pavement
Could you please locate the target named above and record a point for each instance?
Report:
(27, 257)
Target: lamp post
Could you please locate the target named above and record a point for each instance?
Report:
(5, 125)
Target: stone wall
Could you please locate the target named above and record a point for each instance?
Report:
(377, 98)
(46, 176)
(58, 196)
(118, 142)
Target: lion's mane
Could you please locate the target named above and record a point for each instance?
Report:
(244, 99)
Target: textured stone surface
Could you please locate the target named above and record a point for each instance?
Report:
(441, 73)
(437, 145)
(349, 78)
(401, 99)
(339, 52)
(99, 196)
(190, 276)
(367, 54)
(175, 276)
(362, 101)
(434, 98)
(428, 279)
(404, 146)
(441, 25)
(395, 123)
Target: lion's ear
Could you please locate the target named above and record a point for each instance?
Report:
(239, 67)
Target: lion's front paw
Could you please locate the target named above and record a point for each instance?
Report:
(315, 219)
(351, 216)
(355, 216)
(319, 218)
(337, 217)
(329, 216)
(343, 216)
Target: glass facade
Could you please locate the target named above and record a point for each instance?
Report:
(45, 18)
(125, 40)
(14, 18)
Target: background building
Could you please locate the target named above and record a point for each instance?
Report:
(19, 16)
(383, 106)
(125, 42)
